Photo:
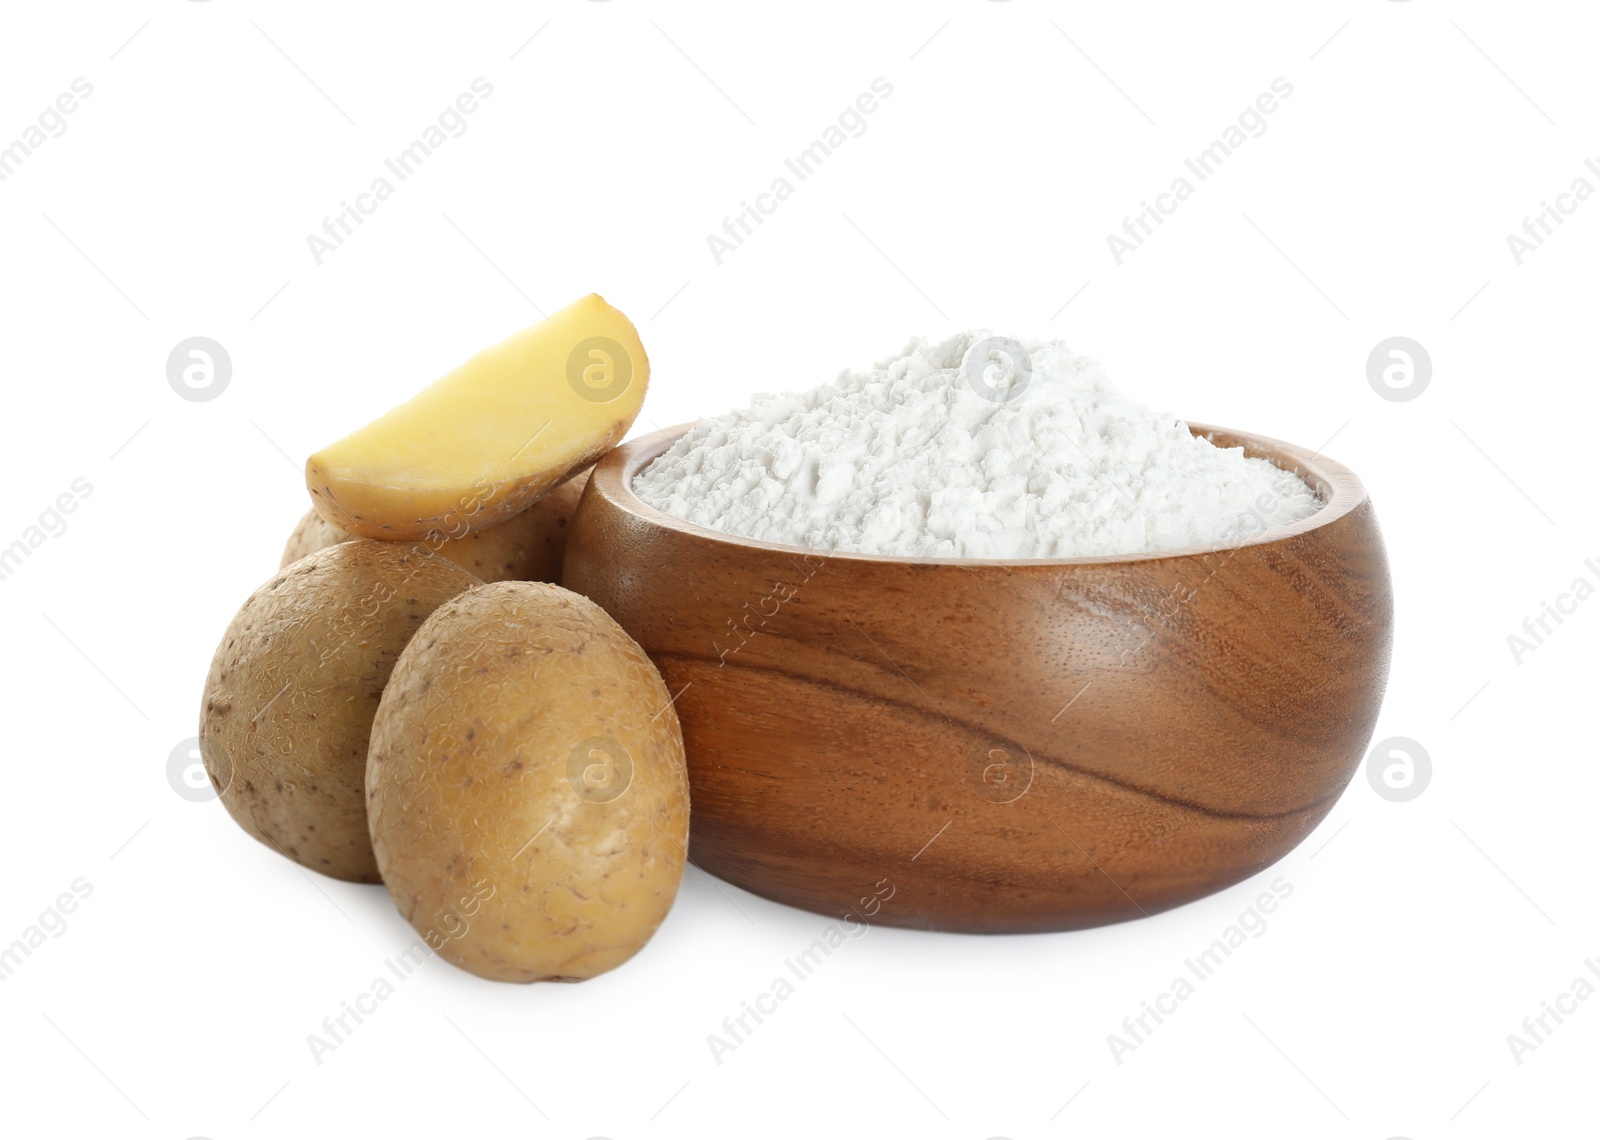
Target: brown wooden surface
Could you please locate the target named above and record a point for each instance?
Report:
(1022, 746)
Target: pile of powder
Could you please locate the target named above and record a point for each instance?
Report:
(956, 450)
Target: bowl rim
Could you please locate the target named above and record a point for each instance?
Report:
(1338, 487)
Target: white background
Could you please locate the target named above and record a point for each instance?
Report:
(1019, 135)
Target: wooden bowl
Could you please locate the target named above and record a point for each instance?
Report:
(994, 746)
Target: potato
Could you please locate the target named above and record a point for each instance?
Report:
(526, 547)
(489, 438)
(310, 535)
(293, 688)
(526, 786)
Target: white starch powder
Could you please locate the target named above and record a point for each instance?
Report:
(971, 447)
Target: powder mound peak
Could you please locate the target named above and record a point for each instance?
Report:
(973, 446)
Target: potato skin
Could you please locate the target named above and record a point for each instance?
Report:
(526, 786)
(311, 534)
(293, 688)
(527, 547)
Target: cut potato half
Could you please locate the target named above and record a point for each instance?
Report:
(486, 440)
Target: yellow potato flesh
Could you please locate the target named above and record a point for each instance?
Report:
(486, 440)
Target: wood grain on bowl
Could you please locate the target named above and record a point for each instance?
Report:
(1002, 746)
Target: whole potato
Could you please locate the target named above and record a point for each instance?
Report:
(293, 688)
(311, 534)
(527, 547)
(526, 786)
